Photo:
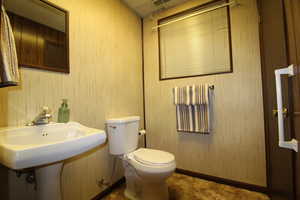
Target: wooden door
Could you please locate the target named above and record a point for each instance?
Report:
(292, 16)
(280, 47)
(275, 38)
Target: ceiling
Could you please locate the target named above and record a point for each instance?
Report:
(145, 7)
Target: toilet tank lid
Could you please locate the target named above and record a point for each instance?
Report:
(123, 119)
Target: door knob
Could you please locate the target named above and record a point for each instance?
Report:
(284, 112)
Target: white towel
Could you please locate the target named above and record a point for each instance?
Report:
(9, 72)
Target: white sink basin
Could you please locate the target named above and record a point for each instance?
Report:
(31, 146)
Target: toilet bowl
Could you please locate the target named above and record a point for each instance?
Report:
(146, 170)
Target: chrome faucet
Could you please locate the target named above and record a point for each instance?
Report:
(43, 118)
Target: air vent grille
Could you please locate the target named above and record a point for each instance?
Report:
(159, 2)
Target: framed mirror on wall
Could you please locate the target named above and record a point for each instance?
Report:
(195, 42)
(41, 31)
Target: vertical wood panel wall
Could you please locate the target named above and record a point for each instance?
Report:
(236, 148)
(3, 122)
(3, 107)
(4, 178)
(105, 81)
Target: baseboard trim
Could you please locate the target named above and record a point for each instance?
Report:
(109, 189)
(238, 184)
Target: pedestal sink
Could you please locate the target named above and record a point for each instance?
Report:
(45, 147)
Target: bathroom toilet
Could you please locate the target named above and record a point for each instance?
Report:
(146, 170)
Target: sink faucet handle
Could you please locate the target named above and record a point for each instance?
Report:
(45, 114)
(46, 109)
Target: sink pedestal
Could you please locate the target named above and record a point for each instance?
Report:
(48, 182)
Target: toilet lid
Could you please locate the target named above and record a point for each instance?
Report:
(153, 157)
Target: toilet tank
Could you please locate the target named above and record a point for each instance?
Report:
(122, 134)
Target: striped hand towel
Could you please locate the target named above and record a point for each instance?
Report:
(192, 108)
(9, 72)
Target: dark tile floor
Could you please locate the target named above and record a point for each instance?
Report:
(183, 187)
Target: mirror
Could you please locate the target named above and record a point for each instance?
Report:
(41, 34)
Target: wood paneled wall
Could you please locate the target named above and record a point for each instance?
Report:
(105, 81)
(236, 147)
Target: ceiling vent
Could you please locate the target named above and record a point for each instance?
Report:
(159, 2)
(146, 7)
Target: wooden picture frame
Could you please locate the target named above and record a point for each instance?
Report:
(33, 60)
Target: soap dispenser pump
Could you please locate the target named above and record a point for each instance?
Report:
(64, 112)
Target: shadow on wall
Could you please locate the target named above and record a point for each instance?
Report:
(3, 122)
(3, 106)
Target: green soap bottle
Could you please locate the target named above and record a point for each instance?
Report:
(64, 112)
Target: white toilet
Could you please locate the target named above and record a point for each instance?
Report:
(145, 169)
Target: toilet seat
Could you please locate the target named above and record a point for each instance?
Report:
(150, 161)
(153, 157)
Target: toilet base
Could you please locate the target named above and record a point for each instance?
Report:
(154, 190)
(139, 189)
(129, 195)
(150, 191)
(145, 184)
